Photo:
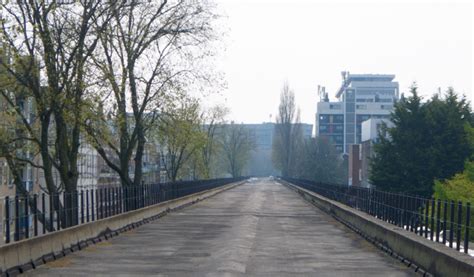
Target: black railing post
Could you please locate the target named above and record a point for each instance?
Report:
(120, 199)
(438, 211)
(136, 190)
(43, 210)
(115, 197)
(427, 218)
(413, 214)
(107, 202)
(142, 194)
(87, 205)
(17, 219)
(35, 215)
(432, 219)
(7, 219)
(51, 213)
(113, 201)
(451, 227)
(101, 204)
(458, 233)
(445, 212)
(66, 207)
(82, 206)
(58, 212)
(110, 202)
(78, 213)
(466, 232)
(26, 218)
(380, 204)
(93, 212)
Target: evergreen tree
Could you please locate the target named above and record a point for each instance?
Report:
(428, 142)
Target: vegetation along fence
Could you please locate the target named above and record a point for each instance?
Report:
(443, 221)
(25, 217)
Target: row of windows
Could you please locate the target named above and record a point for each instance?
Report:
(329, 129)
(377, 91)
(326, 118)
(337, 140)
(383, 107)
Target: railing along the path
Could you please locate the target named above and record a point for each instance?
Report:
(442, 221)
(37, 214)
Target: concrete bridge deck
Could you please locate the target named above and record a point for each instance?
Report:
(259, 228)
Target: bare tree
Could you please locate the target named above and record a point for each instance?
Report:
(45, 46)
(236, 143)
(213, 118)
(288, 132)
(147, 56)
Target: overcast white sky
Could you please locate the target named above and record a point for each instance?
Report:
(308, 43)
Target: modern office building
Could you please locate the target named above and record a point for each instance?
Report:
(360, 97)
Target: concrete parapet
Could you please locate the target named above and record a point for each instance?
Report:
(19, 256)
(428, 256)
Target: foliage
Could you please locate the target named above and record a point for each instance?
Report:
(319, 161)
(236, 144)
(181, 138)
(428, 141)
(459, 188)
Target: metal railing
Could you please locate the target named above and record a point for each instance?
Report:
(37, 214)
(442, 221)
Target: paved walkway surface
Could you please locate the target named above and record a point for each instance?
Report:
(260, 228)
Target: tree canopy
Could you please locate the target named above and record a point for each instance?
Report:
(428, 142)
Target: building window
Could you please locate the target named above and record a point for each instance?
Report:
(335, 106)
(361, 118)
(338, 119)
(386, 107)
(324, 118)
(361, 107)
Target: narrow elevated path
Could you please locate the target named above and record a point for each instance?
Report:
(259, 228)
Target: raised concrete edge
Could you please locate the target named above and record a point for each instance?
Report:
(425, 256)
(17, 257)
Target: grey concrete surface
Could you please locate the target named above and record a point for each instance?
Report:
(260, 228)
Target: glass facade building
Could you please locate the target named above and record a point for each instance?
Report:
(360, 97)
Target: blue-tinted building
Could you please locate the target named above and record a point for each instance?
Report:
(360, 97)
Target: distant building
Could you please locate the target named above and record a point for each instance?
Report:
(260, 163)
(360, 97)
(360, 154)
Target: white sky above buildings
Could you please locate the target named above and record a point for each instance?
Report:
(308, 43)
